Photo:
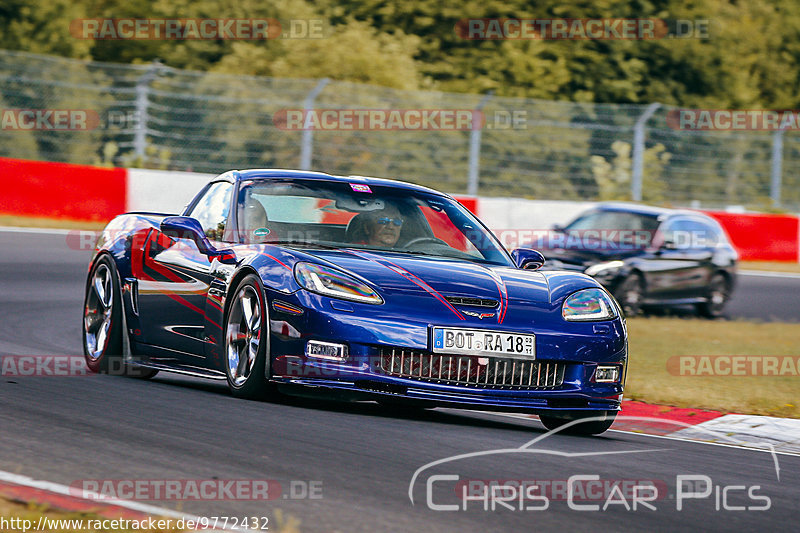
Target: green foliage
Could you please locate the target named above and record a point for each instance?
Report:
(109, 151)
(155, 158)
(42, 27)
(614, 177)
(382, 59)
(750, 57)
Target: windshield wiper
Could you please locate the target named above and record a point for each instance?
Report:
(369, 248)
(303, 243)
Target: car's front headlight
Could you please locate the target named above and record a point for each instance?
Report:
(589, 304)
(606, 268)
(334, 283)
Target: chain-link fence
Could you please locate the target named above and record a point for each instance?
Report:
(153, 116)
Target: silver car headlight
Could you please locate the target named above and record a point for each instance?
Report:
(606, 268)
(589, 304)
(334, 283)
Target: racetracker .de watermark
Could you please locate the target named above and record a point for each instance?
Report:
(589, 239)
(734, 119)
(378, 119)
(67, 120)
(49, 119)
(63, 366)
(554, 29)
(733, 365)
(158, 29)
(195, 489)
(17, 366)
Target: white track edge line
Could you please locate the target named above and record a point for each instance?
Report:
(766, 274)
(64, 490)
(49, 231)
(668, 437)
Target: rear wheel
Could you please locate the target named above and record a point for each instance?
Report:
(597, 423)
(102, 324)
(718, 295)
(247, 341)
(630, 294)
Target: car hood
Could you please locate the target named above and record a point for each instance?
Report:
(397, 272)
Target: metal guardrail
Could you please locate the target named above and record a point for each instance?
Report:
(154, 116)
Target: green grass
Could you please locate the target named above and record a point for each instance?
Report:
(43, 222)
(652, 341)
(770, 266)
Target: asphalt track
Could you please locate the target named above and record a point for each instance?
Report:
(361, 458)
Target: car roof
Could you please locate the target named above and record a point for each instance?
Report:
(268, 173)
(661, 212)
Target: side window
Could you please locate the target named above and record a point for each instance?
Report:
(713, 235)
(703, 234)
(674, 231)
(689, 233)
(212, 210)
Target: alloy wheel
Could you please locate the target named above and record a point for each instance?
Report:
(97, 314)
(243, 336)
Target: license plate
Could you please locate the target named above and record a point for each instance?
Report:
(483, 342)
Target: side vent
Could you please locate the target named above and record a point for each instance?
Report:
(132, 288)
(473, 302)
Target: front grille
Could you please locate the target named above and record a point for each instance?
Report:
(472, 370)
(473, 302)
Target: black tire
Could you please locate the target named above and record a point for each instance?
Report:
(629, 294)
(719, 292)
(593, 427)
(102, 319)
(247, 379)
(102, 342)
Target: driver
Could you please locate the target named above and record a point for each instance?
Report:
(383, 227)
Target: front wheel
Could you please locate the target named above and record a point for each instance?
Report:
(102, 324)
(630, 294)
(718, 294)
(247, 341)
(102, 317)
(594, 424)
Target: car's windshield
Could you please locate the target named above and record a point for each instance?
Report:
(354, 215)
(615, 226)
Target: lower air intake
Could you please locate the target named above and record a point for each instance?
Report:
(471, 370)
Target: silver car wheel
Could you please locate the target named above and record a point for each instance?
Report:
(243, 337)
(97, 313)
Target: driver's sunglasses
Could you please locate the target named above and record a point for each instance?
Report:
(383, 221)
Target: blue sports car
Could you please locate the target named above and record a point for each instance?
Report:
(355, 287)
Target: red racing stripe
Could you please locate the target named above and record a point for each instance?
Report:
(410, 277)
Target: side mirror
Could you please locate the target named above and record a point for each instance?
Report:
(669, 244)
(528, 259)
(190, 228)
